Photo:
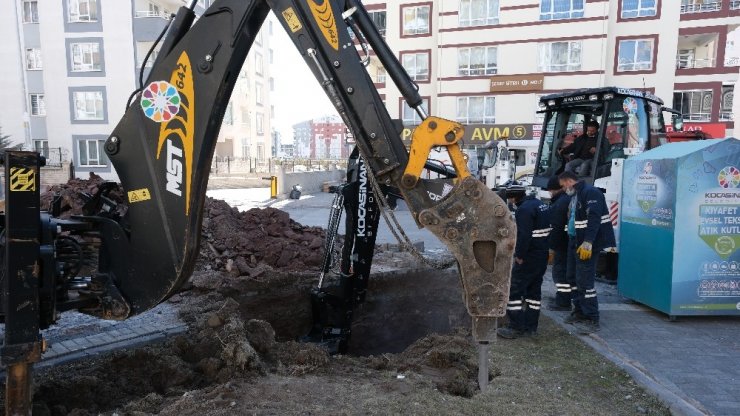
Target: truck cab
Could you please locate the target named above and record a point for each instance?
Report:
(630, 122)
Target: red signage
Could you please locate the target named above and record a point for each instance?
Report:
(713, 130)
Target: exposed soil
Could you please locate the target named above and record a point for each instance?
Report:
(411, 350)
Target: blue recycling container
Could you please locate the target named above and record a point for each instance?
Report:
(680, 228)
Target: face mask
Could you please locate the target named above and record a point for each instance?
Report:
(570, 191)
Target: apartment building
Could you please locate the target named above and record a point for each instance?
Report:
(322, 138)
(246, 131)
(486, 62)
(70, 66)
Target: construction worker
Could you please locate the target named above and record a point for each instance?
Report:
(530, 263)
(590, 230)
(559, 202)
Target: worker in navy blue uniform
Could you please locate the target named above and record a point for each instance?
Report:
(530, 263)
(558, 240)
(590, 231)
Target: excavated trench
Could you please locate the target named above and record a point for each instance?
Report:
(244, 306)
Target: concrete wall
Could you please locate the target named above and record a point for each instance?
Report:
(311, 182)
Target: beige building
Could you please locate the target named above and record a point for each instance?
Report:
(70, 65)
(488, 61)
(246, 131)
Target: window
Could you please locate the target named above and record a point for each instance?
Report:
(229, 114)
(635, 55)
(269, 27)
(85, 57)
(41, 146)
(258, 93)
(245, 148)
(478, 12)
(417, 65)
(272, 84)
(33, 59)
(725, 113)
(88, 105)
(560, 56)
(409, 117)
(82, 11)
(694, 105)
(91, 152)
(259, 38)
(415, 20)
(638, 8)
(561, 9)
(260, 123)
(260, 152)
(685, 58)
(30, 11)
(38, 105)
(271, 56)
(378, 19)
(380, 75)
(476, 110)
(258, 63)
(477, 61)
(245, 115)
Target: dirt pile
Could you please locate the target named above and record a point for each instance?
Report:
(240, 243)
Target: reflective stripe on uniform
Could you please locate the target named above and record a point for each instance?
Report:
(563, 287)
(542, 232)
(513, 308)
(590, 293)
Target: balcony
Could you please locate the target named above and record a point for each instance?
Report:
(735, 5)
(697, 117)
(701, 7)
(726, 115)
(149, 14)
(690, 63)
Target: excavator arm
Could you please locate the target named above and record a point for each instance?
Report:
(162, 150)
(163, 146)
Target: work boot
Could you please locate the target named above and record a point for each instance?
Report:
(575, 317)
(554, 306)
(509, 333)
(588, 326)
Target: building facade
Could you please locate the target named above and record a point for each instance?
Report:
(487, 62)
(321, 138)
(72, 64)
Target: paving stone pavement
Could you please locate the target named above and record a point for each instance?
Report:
(697, 359)
(76, 335)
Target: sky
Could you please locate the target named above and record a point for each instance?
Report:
(298, 96)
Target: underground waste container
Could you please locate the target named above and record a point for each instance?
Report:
(680, 228)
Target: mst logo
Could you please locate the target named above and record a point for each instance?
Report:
(178, 132)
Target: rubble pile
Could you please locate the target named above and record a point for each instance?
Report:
(240, 243)
(75, 193)
(243, 243)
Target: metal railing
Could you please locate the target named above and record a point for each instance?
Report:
(733, 61)
(55, 156)
(692, 63)
(697, 116)
(735, 5)
(146, 13)
(726, 116)
(235, 165)
(701, 7)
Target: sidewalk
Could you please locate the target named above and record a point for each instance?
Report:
(692, 363)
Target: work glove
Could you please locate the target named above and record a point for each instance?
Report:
(584, 251)
(550, 256)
